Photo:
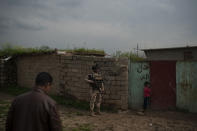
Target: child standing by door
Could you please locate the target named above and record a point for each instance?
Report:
(147, 93)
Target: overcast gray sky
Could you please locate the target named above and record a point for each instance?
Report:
(103, 24)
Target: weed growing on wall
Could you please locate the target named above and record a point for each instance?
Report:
(12, 50)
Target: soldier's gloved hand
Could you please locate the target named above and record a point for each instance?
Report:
(102, 89)
(90, 81)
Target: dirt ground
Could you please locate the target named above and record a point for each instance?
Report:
(130, 121)
(78, 120)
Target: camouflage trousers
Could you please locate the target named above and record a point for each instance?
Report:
(96, 98)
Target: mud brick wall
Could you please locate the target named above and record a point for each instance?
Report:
(29, 66)
(74, 70)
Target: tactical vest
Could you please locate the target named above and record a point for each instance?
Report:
(98, 80)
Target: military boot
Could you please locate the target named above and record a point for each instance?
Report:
(92, 113)
(98, 112)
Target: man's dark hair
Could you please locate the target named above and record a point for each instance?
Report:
(43, 78)
(146, 83)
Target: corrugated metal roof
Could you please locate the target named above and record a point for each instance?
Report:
(172, 48)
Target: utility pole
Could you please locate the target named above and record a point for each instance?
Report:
(137, 49)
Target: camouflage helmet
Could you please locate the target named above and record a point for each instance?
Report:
(94, 67)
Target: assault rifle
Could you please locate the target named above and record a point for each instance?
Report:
(97, 83)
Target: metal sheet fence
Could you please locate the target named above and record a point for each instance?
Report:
(186, 81)
(138, 73)
(179, 82)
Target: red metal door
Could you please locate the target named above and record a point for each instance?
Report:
(163, 82)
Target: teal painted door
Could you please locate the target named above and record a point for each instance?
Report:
(139, 72)
(186, 80)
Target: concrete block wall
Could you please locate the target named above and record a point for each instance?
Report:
(8, 73)
(29, 66)
(69, 73)
(74, 69)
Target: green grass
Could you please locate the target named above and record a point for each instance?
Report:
(84, 127)
(84, 51)
(82, 105)
(80, 127)
(8, 49)
(14, 90)
(79, 113)
(61, 100)
(4, 107)
(71, 102)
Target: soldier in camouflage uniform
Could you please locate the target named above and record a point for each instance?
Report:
(96, 82)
